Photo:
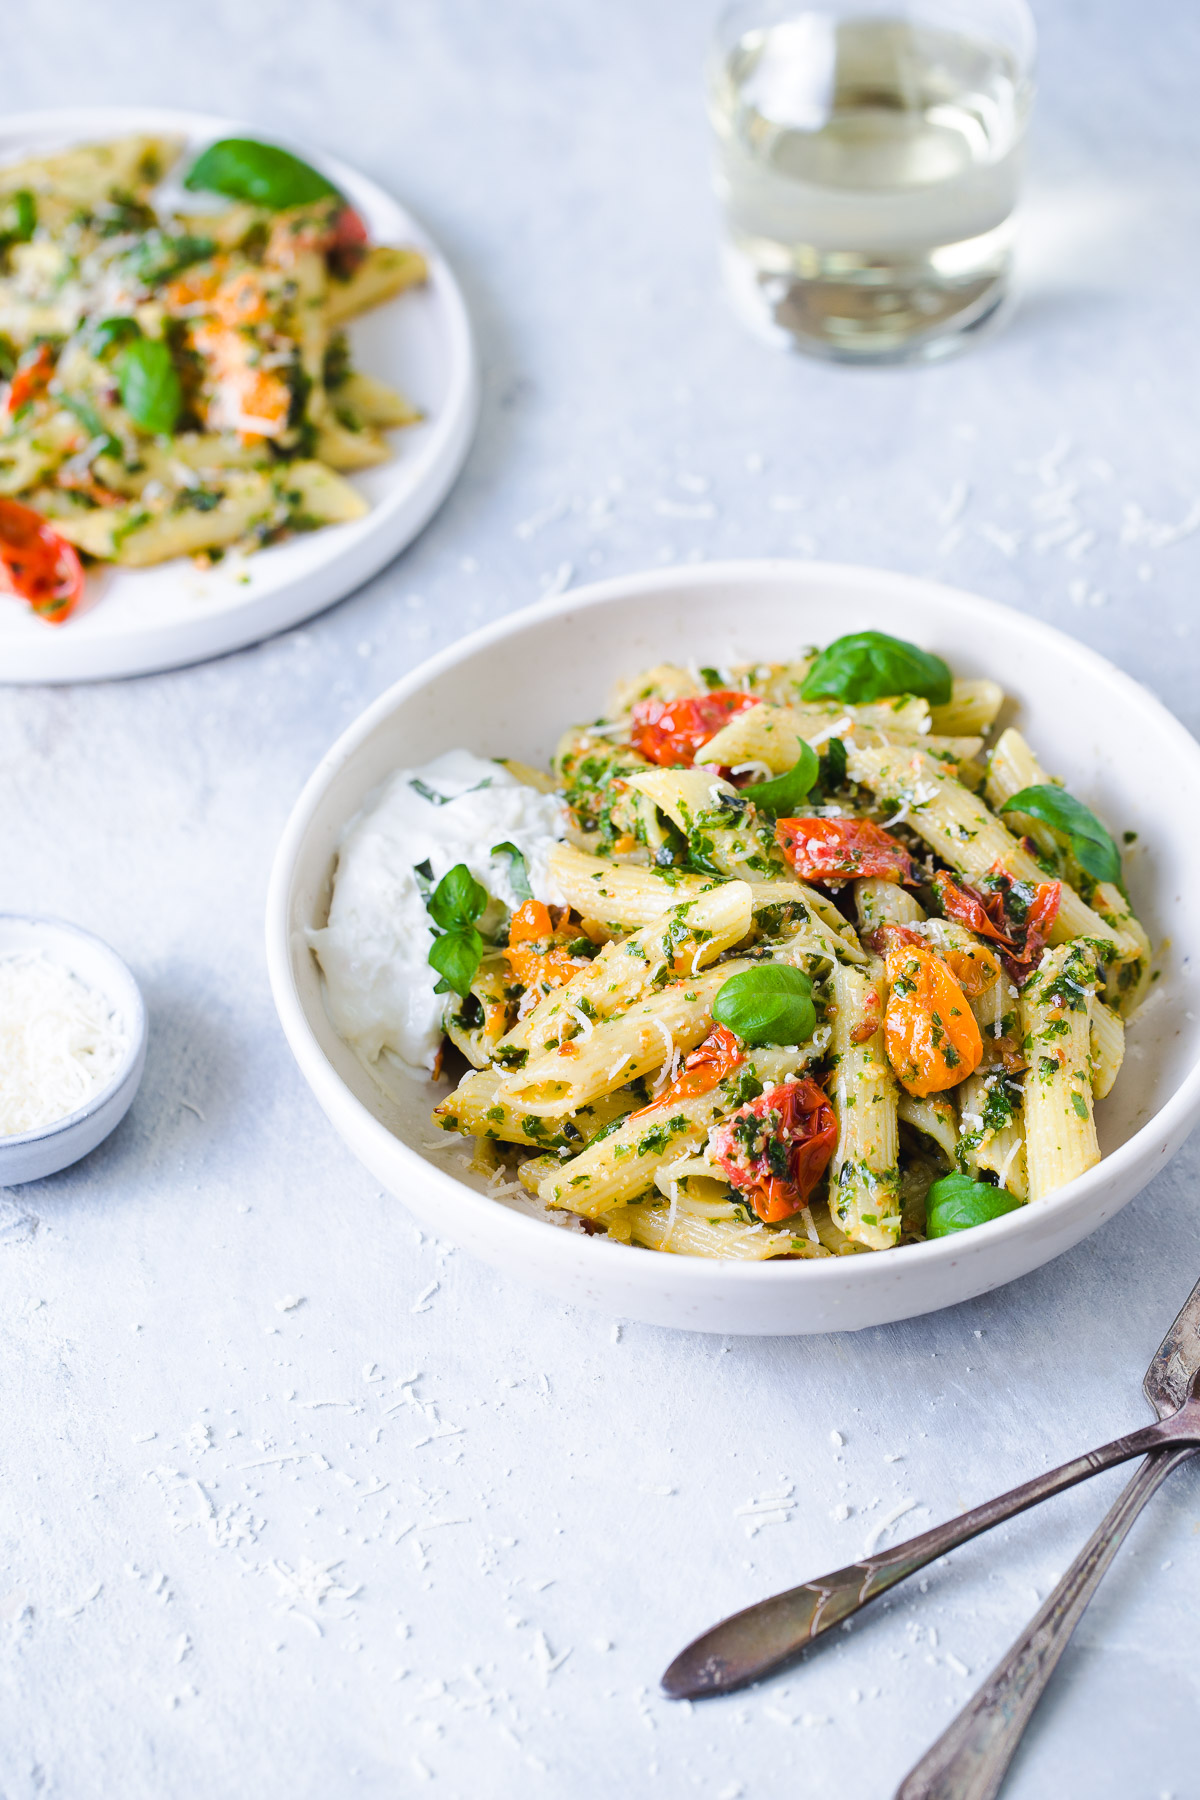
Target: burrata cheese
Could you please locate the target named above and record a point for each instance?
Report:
(374, 950)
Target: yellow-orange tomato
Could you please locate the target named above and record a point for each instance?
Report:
(932, 1039)
(975, 969)
(537, 951)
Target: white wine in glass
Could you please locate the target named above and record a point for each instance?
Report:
(868, 163)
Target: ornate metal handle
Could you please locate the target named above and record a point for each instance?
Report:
(970, 1759)
(761, 1639)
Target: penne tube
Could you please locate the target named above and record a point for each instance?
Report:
(477, 1108)
(679, 942)
(686, 1232)
(864, 1180)
(620, 1049)
(884, 903)
(970, 710)
(622, 1165)
(381, 274)
(622, 895)
(1107, 1049)
(1056, 1013)
(666, 681)
(935, 1119)
(771, 735)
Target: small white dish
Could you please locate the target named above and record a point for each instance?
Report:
(510, 690)
(32, 1154)
(138, 620)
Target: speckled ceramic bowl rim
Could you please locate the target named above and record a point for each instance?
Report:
(133, 1013)
(1116, 1171)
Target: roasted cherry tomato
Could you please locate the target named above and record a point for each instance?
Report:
(670, 732)
(32, 377)
(706, 1067)
(838, 849)
(1039, 921)
(932, 1039)
(980, 913)
(349, 243)
(776, 1149)
(37, 564)
(975, 969)
(888, 936)
(1016, 916)
(537, 952)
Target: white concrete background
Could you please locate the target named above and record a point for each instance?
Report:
(296, 1503)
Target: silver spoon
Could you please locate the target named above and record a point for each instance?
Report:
(765, 1637)
(970, 1759)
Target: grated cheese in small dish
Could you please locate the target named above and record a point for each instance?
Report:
(61, 1043)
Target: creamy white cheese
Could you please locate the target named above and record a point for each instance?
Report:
(374, 950)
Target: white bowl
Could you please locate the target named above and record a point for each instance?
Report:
(32, 1154)
(511, 689)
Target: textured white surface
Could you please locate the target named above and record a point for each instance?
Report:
(294, 1504)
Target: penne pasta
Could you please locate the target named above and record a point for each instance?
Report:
(827, 1016)
(619, 1049)
(1056, 1021)
(177, 383)
(961, 829)
(864, 1190)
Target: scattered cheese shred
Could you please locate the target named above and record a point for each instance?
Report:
(60, 1043)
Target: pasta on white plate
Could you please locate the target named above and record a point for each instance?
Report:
(811, 968)
(179, 382)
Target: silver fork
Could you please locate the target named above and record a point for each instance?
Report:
(970, 1759)
(768, 1636)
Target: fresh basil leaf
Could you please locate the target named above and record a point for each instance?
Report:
(833, 767)
(158, 255)
(870, 665)
(787, 792)
(457, 900)
(243, 169)
(518, 874)
(711, 678)
(150, 390)
(436, 799)
(769, 1005)
(107, 332)
(956, 1203)
(428, 793)
(456, 955)
(18, 218)
(1091, 845)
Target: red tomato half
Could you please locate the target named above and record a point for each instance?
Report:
(992, 915)
(671, 731)
(37, 564)
(776, 1149)
(837, 849)
(349, 243)
(983, 914)
(32, 376)
(708, 1065)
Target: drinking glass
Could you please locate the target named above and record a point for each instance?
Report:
(868, 156)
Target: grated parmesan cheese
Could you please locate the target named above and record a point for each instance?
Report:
(60, 1043)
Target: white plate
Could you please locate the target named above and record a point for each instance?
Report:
(511, 689)
(138, 620)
